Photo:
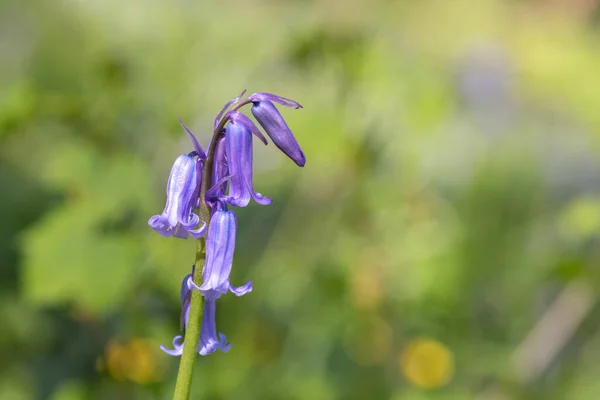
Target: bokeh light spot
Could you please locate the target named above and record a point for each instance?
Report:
(134, 360)
(427, 363)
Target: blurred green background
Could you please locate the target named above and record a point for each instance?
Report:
(441, 242)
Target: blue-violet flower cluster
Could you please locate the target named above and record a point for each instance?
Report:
(230, 183)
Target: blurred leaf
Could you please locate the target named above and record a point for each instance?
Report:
(16, 106)
(68, 255)
(70, 391)
(580, 219)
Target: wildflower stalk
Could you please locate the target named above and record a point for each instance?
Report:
(190, 345)
(192, 333)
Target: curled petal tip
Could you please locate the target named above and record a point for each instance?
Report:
(192, 221)
(161, 227)
(262, 200)
(153, 221)
(224, 346)
(198, 233)
(241, 290)
(178, 347)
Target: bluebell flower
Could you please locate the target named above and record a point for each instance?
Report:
(209, 340)
(220, 174)
(273, 123)
(238, 140)
(230, 183)
(220, 245)
(178, 219)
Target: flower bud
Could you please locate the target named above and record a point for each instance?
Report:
(273, 123)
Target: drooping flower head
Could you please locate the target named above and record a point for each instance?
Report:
(238, 145)
(183, 186)
(220, 245)
(228, 182)
(209, 341)
(273, 123)
(178, 219)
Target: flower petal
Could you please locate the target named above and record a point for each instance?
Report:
(224, 346)
(185, 299)
(209, 340)
(178, 347)
(198, 233)
(220, 171)
(160, 225)
(190, 222)
(284, 101)
(241, 119)
(186, 291)
(220, 246)
(183, 186)
(241, 290)
(180, 232)
(215, 194)
(238, 139)
(273, 123)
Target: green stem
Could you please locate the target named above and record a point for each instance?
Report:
(192, 332)
(183, 385)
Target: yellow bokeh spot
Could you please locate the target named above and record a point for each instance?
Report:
(135, 360)
(427, 363)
